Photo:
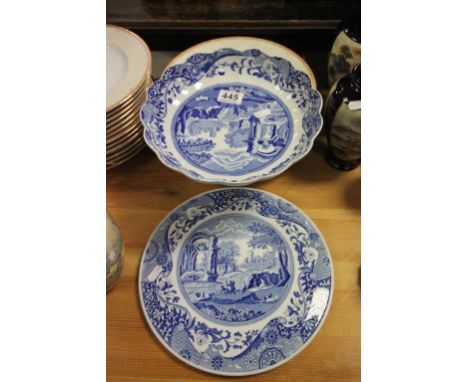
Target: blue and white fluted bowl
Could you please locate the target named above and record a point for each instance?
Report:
(233, 111)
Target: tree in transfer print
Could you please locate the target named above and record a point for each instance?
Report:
(264, 237)
(228, 251)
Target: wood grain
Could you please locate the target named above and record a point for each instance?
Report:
(139, 195)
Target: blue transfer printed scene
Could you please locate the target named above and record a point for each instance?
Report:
(232, 135)
(234, 268)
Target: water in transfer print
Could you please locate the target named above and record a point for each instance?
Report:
(232, 129)
(235, 268)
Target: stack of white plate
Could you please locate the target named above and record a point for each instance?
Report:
(128, 76)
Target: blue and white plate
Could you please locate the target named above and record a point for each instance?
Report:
(233, 111)
(236, 281)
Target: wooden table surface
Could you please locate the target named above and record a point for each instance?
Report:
(139, 195)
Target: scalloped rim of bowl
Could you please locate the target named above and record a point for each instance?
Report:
(184, 55)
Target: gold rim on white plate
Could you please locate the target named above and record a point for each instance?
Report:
(129, 108)
(120, 128)
(130, 67)
(125, 140)
(124, 120)
(125, 149)
(117, 135)
(125, 154)
(118, 162)
(139, 93)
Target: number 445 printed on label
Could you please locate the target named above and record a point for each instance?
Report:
(230, 96)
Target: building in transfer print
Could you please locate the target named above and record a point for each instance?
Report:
(202, 256)
(264, 139)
